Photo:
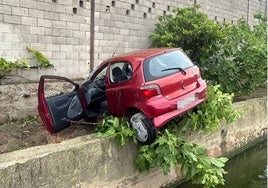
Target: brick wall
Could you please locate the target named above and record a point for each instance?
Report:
(61, 28)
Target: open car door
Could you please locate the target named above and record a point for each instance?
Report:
(57, 106)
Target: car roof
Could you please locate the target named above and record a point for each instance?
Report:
(140, 54)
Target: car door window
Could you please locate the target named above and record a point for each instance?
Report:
(120, 72)
(63, 87)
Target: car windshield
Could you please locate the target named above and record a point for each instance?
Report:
(90, 75)
(166, 64)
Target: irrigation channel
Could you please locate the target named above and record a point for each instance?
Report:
(247, 169)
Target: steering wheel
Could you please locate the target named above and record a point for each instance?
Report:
(100, 84)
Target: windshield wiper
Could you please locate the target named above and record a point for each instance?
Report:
(176, 68)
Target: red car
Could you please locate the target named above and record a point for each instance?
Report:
(150, 87)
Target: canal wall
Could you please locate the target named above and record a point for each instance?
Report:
(89, 161)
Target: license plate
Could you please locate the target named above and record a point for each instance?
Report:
(185, 102)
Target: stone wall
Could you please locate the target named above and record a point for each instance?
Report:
(61, 28)
(89, 161)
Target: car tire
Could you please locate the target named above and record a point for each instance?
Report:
(144, 129)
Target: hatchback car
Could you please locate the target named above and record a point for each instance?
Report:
(149, 87)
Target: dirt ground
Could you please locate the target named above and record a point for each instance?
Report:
(29, 132)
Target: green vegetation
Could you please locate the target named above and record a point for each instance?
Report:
(171, 149)
(188, 29)
(216, 109)
(240, 62)
(6, 67)
(115, 127)
(42, 61)
(233, 56)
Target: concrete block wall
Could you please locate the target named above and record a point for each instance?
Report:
(232, 11)
(63, 35)
(126, 25)
(50, 26)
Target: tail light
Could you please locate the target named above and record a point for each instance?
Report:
(150, 90)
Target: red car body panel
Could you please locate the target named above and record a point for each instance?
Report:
(170, 111)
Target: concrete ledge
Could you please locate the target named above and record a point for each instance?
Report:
(89, 161)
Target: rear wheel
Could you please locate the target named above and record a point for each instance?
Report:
(144, 129)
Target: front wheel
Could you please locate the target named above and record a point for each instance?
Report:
(144, 129)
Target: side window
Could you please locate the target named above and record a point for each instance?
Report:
(120, 72)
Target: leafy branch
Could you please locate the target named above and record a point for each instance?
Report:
(116, 127)
(169, 150)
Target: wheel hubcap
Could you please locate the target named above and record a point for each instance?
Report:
(140, 130)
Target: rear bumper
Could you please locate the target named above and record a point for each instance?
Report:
(163, 110)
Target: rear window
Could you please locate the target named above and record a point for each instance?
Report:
(165, 64)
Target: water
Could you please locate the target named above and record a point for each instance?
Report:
(247, 169)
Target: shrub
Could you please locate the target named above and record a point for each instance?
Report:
(240, 64)
(188, 29)
(233, 56)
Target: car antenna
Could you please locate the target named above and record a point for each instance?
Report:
(116, 49)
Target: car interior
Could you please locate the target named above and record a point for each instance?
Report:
(117, 75)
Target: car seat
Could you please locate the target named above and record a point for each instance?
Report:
(118, 75)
